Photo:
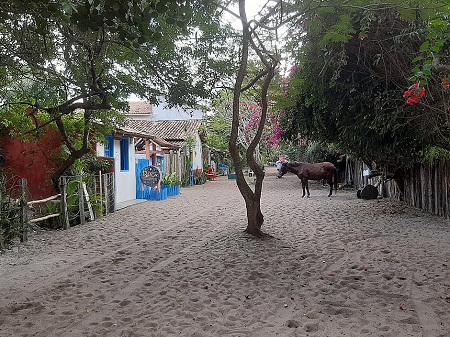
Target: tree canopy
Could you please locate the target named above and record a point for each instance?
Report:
(372, 79)
(72, 59)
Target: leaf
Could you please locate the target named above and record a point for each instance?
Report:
(425, 46)
(436, 48)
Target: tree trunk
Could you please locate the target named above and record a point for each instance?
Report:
(252, 198)
(255, 218)
(66, 164)
(74, 153)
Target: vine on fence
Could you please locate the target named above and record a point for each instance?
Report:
(80, 199)
(11, 202)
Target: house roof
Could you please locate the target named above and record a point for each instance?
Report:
(130, 132)
(175, 132)
(140, 108)
(165, 144)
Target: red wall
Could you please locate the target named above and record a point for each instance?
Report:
(33, 162)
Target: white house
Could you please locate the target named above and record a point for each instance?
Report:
(179, 127)
(120, 146)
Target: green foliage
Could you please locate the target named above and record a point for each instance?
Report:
(218, 132)
(313, 152)
(10, 226)
(200, 178)
(74, 61)
(434, 153)
(128, 19)
(349, 89)
(342, 31)
(171, 179)
(438, 32)
(185, 179)
(93, 164)
(51, 207)
(11, 203)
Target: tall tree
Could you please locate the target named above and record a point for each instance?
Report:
(77, 60)
(251, 39)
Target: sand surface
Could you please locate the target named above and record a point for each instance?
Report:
(338, 266)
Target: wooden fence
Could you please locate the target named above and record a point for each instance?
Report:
(78, 202)
(426, 186)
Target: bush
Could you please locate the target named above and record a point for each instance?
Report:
(171, 179)
(10, 226)
(94, 164)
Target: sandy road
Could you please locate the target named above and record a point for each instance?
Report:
(183, 267)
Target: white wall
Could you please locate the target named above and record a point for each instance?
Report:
(198, 162)
(141, 117)
(125, 181)
(162, 112)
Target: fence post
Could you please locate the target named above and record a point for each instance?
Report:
(81, 200)
(105, 192)
(24, 211)
(1, 202)
(64, 211)
(112, 193)
(100, 192)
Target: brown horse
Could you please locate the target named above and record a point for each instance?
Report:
(307, 171)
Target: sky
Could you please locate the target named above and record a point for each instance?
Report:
(252, 8)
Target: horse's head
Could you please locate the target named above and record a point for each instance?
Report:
(282, 170)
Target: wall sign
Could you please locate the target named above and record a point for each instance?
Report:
(150, 176)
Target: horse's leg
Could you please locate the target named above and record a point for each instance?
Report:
(330, 182)
(307, 187)
(303, 186)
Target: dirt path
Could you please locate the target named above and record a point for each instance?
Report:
(336, 266)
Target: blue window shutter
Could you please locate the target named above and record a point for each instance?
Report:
(124, 155)
(109, 147)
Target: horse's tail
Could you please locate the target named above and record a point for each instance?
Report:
(336, 180)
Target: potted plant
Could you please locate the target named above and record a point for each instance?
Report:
(172, 183)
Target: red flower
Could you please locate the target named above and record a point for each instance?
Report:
(422, 92)
(414, 93)
(408, 93)
(412, 100)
